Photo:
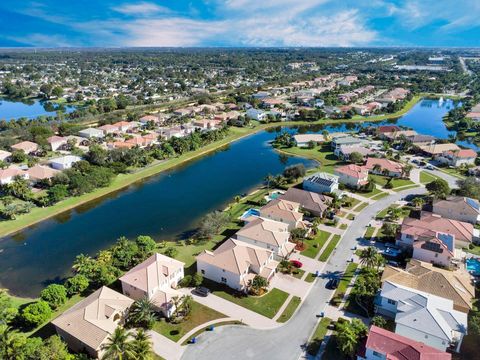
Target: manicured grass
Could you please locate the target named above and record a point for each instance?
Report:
(454, 172)
(353, 202)
(351, 217)
(401, 182)
(314, 245)
(200, 314)
(379, 196)
(328, 250)
(361, 207)
(346, 279)
(426, 177)
(405, 188)
(298, 273)
(344, 226)
(373, 193)
(382, 214)
(290, 309)
(323, 154)
(266, 305)
(475, 249)
(310, 278)
(378, 179)
(369, 233)
(316, 340)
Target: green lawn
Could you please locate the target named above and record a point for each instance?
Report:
(344, 226)
(475, 249)
(351, 217)
(316, 340)
(406, 188)
(353, 202)
(346, 279)
(199, 315)
(290, 309)
(375, 192)
(379, 196)
(314, 245)
(328, 250)
(266, 305)
(298, 273)
(426, 177)
(361, 207)
(382, 214)
(401, 182)
(310, 278)
(369, 233)
(323, 154)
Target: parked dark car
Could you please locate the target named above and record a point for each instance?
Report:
(202, 291)
(332, 284)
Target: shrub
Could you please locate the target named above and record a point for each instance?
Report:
(197, 279)
(171, 252)
(36, 313)
(186, 281)
(54, 294)
(76, 284)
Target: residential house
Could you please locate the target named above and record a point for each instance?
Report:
(8, 175)
(91, 133)
(126, 126)
(419, 315)
(56, 142)
(236, 263)
(454, 285)
(64, 162)
(27, 147)
(421, 140)
(344, 151)
(437, 149)
(352, 175)
(413, 229)
(382, 166)
(256, 114)
(269, 234)
(304, 140)
(382, 344)
(435, 248)
(384, 129)
(458, 208)
(38, 173)
(156, 279)
(346, 141)
(5, 155)
(316, 204)
(321, 182)
(397, 135)
(87, 325)
(206, 124)
(457, 158)
(108, 129)
(283, 211)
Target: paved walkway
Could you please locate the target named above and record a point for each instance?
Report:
(201, 327)
(331, 229)
(234, 311)
(164, 347)
(309, 265)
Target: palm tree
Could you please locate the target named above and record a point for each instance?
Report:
(238, 198)
(268, 179)
(118, 346)
(142, 346)
(368, 257)
(418, 202)
(394, 213)
(142, 313)
(83, 264)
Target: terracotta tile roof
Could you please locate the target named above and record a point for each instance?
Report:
(386, 164)
(91, 320)
(266, 231)
(55, 138)
(150, 274)
(397, 347)
(287, 210)
(454, 285)
(463, 153)
(235, 256)
(10, 172)
(352, 170)
(26, 146)
(39, 172)
(416, 227)
(308, 200)
(387, 129)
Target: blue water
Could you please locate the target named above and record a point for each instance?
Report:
(250, 212)
(10, 109)
(473, 266)
(426, 118)
(165, 206)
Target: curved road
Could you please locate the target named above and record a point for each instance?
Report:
(287, 341)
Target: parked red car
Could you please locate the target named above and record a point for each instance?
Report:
(296, 263)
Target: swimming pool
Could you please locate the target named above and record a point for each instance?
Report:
(275, 196)
(473, 266)
(249, 213)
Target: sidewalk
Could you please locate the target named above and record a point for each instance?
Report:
(166, 348)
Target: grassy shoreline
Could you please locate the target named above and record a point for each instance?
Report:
(125, 180)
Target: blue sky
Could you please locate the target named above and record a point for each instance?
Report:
(120, 23)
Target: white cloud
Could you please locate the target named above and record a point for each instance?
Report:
(42, 40)
(142, 8)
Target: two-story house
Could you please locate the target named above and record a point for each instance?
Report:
(283, 211)
(458, 208)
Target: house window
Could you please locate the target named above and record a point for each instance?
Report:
(391, 302)
(224, 280)
(377, 354)
(202, 271)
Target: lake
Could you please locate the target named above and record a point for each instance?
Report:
(164, 207)
(32, 108)
(168, 205)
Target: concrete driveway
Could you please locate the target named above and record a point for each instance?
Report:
(288, 342)
(290, 285)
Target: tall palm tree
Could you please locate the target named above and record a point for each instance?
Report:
(394, 213)
(82, 264)
(118, 346)
(142, 313)
(368, 257)
(268, 179)
(142, 346)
